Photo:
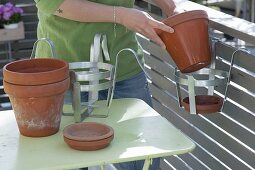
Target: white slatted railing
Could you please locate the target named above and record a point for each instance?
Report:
(224, 140)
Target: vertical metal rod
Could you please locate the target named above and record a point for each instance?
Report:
(252, 10)
(191, 89)
(178, 90)
(212, 65)
(76, 101)
(95, 56)
(9, 48)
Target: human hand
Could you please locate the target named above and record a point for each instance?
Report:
(142, 22)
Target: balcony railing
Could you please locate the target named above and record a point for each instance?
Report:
(223, 140)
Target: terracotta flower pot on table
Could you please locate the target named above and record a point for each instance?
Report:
(36, 90)
(189, 44)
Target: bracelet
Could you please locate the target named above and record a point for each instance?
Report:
(114, 20)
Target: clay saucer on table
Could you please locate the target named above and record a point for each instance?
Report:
(88, 145)
(204, 104)
(88, 135)
(87, 131)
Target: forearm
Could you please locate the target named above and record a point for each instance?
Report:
(133, 19)
(168, 6)
(85, 11)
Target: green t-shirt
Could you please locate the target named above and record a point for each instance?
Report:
(73, 39)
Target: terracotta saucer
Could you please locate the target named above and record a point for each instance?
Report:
(88, 145)
(87, 131)
(204, 103)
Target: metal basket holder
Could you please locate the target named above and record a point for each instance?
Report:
(89, 81)
(213, 78)
(91, 77)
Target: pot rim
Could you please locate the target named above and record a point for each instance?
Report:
(183, 17)
(24, 91)
(88, 145)
(81, 127)
(36, 78)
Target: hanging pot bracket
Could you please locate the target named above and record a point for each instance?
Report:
(215, 78)
(233, 57)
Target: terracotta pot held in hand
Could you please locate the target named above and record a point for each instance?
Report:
(189, 44)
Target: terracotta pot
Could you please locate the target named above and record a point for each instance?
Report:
(37, 109)
(204, 104)
(36, 71)
(189, 44)
(36, 90)
(23, 91)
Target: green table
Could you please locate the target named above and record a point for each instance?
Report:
(140, 133)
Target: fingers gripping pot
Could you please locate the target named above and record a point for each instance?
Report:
(36, 88)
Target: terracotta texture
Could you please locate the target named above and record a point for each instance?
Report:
(89, 145)
(36, 71)
(189, 44)
(38, 116)
(88, 135)
(204, 104)
(36, 90)
(87, 131)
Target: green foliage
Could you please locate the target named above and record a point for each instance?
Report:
(15, 18)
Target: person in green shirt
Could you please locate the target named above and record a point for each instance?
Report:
(72, 25)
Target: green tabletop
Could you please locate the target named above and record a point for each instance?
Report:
(140, 133)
